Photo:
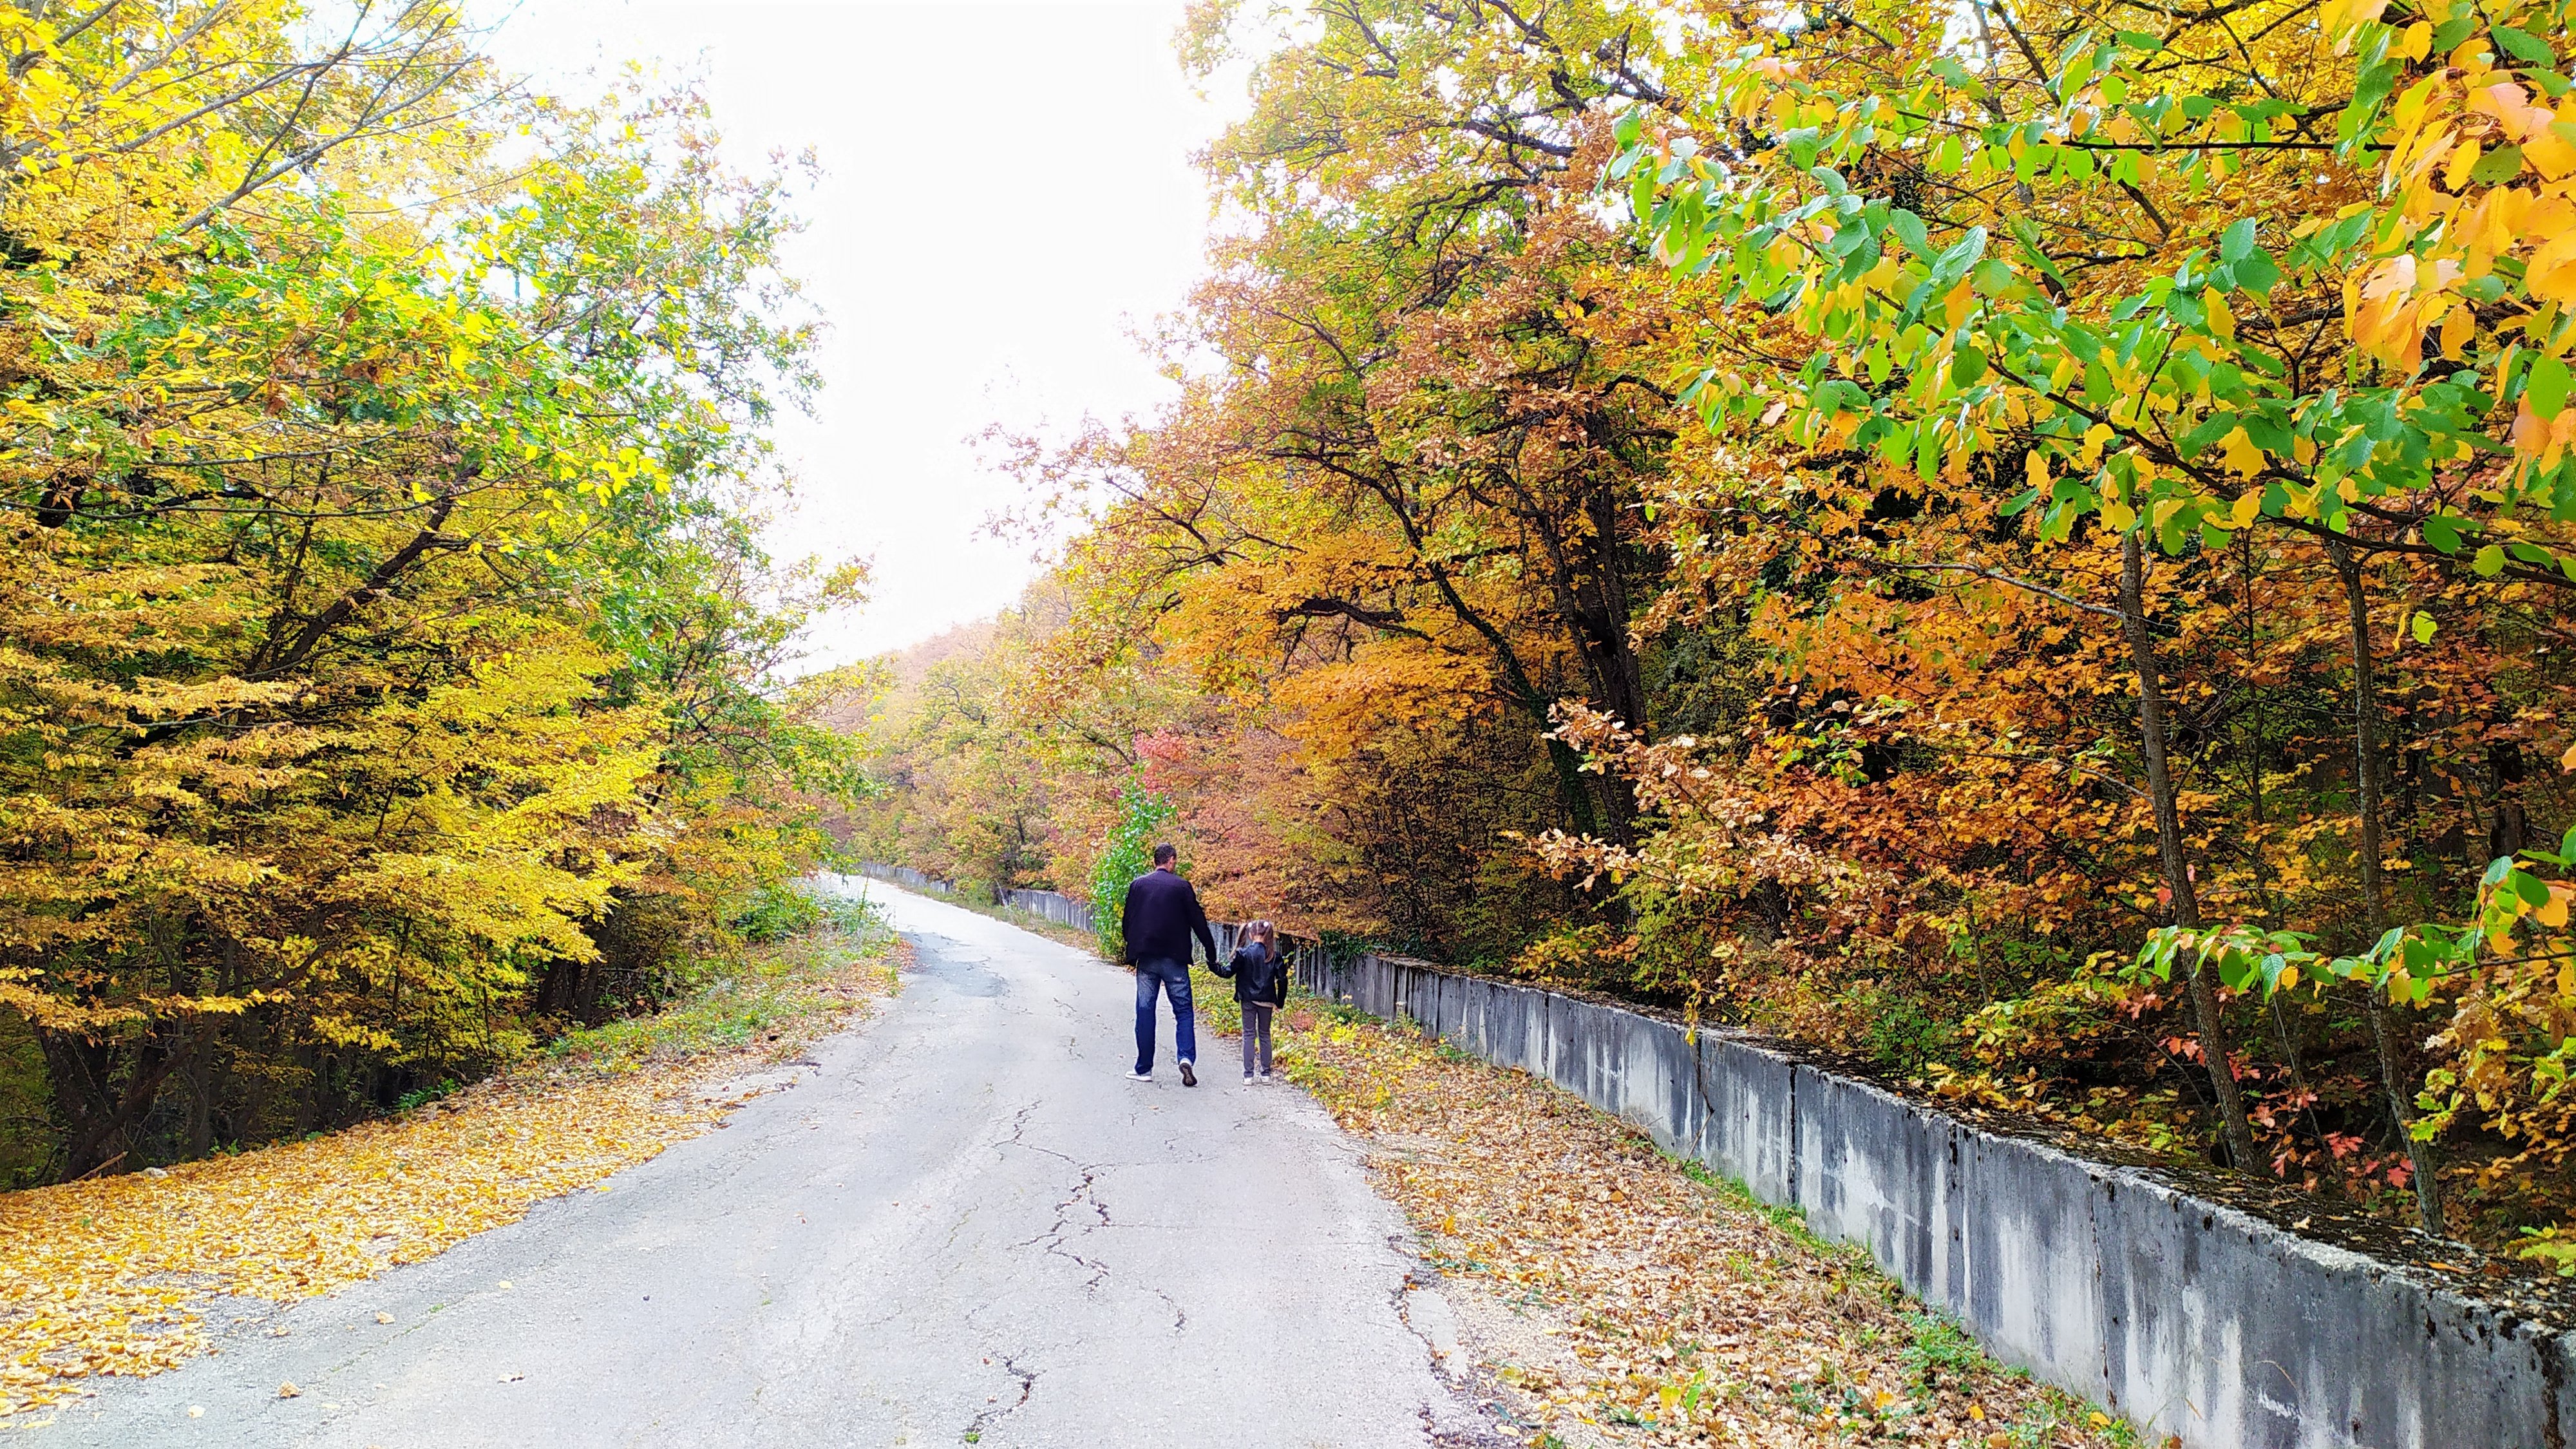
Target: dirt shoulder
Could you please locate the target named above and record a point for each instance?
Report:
(1607, 1294)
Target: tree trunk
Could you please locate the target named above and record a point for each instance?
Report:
(200, 1075)
(2214, 1045)
(2510, 830)
(2367, 775)
(98, 1114)
(559, 990)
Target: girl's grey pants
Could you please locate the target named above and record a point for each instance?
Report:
(1256, 1023)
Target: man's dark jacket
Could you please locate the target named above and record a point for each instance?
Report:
(1160, 916)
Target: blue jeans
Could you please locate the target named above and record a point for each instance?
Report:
(1174, 977)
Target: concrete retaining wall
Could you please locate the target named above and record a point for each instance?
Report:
(2191, 1317)
(1063, 910)
(906, 877)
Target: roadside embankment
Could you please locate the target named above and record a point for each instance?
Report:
(1612, 1294)
(119, 1275)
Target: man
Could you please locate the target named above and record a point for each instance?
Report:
(1160, 916)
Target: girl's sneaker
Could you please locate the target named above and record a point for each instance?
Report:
(1247, 1079)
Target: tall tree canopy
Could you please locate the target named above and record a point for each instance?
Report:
(388, 668)
(2030, 542)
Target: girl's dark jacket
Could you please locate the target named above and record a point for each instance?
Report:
(1259, 975)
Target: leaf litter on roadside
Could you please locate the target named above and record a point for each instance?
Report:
(1676, 1309)
(113, 1275)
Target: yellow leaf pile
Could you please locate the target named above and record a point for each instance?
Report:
(1688, 1313)
(111, 1276)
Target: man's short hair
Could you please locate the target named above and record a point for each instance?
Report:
(1163, 854)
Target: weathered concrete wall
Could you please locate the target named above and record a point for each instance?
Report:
(2191, 1317)
(1063, 910)
(906, 877)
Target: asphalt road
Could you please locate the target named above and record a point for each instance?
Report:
(961, 1225)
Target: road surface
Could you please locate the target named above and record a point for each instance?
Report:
(961, 1225)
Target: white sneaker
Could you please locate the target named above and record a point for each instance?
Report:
(1188, 1078)
(1247, 1079)
(1140, 1076)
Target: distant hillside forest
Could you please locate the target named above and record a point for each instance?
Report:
(2031, 542)
(390, 676)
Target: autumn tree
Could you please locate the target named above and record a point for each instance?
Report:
(2034, 536)
(376, 613)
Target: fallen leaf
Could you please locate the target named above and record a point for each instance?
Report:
(112, 1276)
(288, 1391)
(1663, 1309)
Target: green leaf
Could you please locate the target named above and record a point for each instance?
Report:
(2547, 389)
(1910, 230)
(2489, 562)
(2256, 271)
(2237, 242)
(2211, 429)
(2497, 166)
(2423, 627)
(1962, 255)
(2523, 45)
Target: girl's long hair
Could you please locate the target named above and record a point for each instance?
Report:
(1262, 931)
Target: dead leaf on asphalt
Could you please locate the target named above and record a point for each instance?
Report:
(111, 1276)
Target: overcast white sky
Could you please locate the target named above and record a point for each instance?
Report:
(1007, 188)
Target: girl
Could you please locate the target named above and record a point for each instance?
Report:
(1260, 985)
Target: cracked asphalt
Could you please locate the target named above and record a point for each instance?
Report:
(961, 1225)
